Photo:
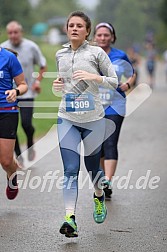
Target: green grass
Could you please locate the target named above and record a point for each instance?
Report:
(42, 126)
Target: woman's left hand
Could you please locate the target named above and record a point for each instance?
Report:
(83, 75)
(124, 87)
(11, 95)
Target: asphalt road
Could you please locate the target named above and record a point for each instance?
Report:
(136, 219)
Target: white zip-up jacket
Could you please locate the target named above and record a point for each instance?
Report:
(87, 107)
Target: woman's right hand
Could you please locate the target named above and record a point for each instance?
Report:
(58, 84)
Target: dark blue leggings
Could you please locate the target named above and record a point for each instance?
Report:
(70, 136)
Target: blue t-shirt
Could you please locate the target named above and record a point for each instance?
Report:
(9, 68)
(116, 104)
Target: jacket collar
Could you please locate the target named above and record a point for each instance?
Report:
(68, 45)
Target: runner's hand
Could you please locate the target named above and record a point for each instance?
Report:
(124, 87)
(36, 86)
(83, 75)
(58, 84)
(11, 95)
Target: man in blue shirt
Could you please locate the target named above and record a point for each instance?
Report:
(10, 69)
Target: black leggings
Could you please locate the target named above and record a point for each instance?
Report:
(26, 122)
(110, 146)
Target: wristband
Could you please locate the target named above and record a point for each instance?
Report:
(17, 92)
(128, 85)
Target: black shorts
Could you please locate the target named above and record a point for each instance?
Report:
(8, 125)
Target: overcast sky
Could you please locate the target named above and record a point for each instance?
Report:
(89, 3)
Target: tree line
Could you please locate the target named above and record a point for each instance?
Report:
(133, 20)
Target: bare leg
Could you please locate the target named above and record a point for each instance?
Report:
(10, 165)
(7, 160)
(110, 167)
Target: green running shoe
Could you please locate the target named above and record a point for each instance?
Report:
(69, 227)
(100, 211)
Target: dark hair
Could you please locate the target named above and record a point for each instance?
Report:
(110, 28)
(84, 17)
(13, 51)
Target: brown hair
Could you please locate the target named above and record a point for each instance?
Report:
(110, 28)
(84, 17)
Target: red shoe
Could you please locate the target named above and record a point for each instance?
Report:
(11, 193)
